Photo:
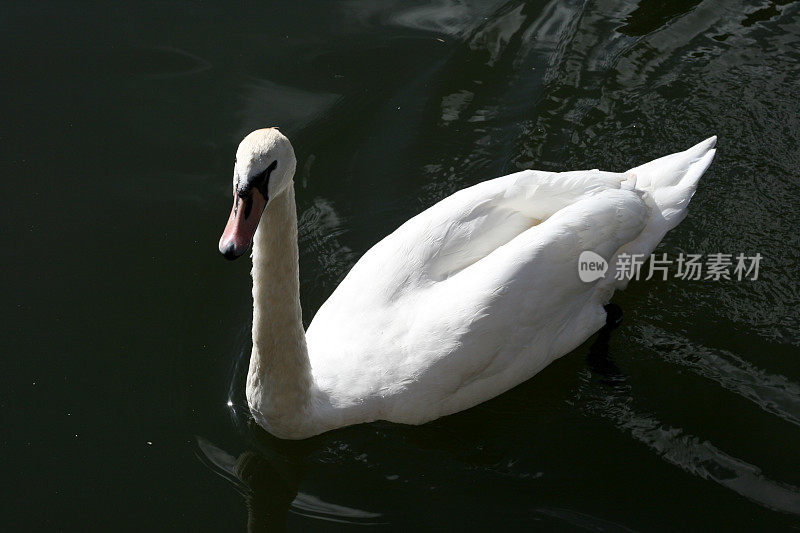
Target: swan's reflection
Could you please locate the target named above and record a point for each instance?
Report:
(269, 475)
(269, 494)
(598, 358)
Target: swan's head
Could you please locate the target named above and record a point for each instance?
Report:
(263, 170)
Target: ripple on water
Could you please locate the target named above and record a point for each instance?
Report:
(691, 454)
(773, 393)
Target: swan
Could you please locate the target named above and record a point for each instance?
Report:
(462, 302)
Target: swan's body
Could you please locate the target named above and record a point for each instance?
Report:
(464, 301)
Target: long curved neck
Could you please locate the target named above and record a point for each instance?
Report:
(279, 381)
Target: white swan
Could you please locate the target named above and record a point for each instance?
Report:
(461, 303)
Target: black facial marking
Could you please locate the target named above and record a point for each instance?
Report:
(259, 181)
(264, 179)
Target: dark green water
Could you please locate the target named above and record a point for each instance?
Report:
(125, 333)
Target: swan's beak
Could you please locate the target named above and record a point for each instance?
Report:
(242, 225)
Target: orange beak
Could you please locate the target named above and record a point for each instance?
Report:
(242, 225)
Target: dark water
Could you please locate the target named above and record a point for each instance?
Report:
(125, 333)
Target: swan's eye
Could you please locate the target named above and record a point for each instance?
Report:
(248, 206)
(260, 181)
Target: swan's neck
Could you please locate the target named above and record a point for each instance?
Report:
(279, 382)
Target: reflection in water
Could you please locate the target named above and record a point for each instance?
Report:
(319, 238)
(268, 486)
(650, 15)
(265, 103)
(269, 480)
(454, 18)
(494, 36)
(613, 398)
(773, 393)
(268, 496)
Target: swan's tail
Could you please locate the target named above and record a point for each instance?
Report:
(670, 182)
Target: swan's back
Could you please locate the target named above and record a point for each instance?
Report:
(481, 291)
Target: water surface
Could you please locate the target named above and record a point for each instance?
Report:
(126, 334)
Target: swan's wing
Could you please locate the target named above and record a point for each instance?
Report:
(434, 283)
(530, 287)
(466, 227)
(501, 320)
